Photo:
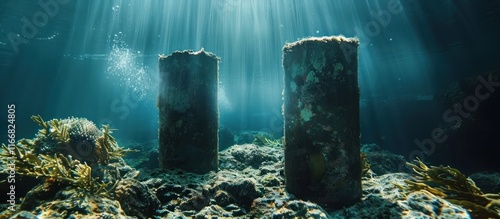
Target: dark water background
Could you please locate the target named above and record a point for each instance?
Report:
(98, 59)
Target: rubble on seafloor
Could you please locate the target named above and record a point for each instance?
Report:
(249, 184)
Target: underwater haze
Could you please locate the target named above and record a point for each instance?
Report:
(99, 60)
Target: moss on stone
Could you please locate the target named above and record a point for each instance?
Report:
(306, 114)
(311, 77)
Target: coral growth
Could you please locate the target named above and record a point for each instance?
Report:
(56, 167)
(77, 137)
(65, 151)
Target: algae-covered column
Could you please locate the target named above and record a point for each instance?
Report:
(321, 112)
(189, 115)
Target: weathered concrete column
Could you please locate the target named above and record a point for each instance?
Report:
(321, 112)
(189, 114)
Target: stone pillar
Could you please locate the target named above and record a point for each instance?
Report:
(321, 112)
(189, 114)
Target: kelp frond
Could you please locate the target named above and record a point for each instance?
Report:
(365, 166)
(78, 137)
(448, 177)
(59, 131)
(57, 167)
(107, 147)
(263, 141)
(45, 126)
(450, 184)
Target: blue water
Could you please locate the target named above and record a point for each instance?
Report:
(98, 59)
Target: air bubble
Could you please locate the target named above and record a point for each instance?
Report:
(123, 65)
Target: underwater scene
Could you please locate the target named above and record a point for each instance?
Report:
(249, 109)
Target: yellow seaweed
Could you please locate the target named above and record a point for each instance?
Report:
(450, 184)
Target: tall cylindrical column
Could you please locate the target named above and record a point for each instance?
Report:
(321, 112)
(189, 114)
